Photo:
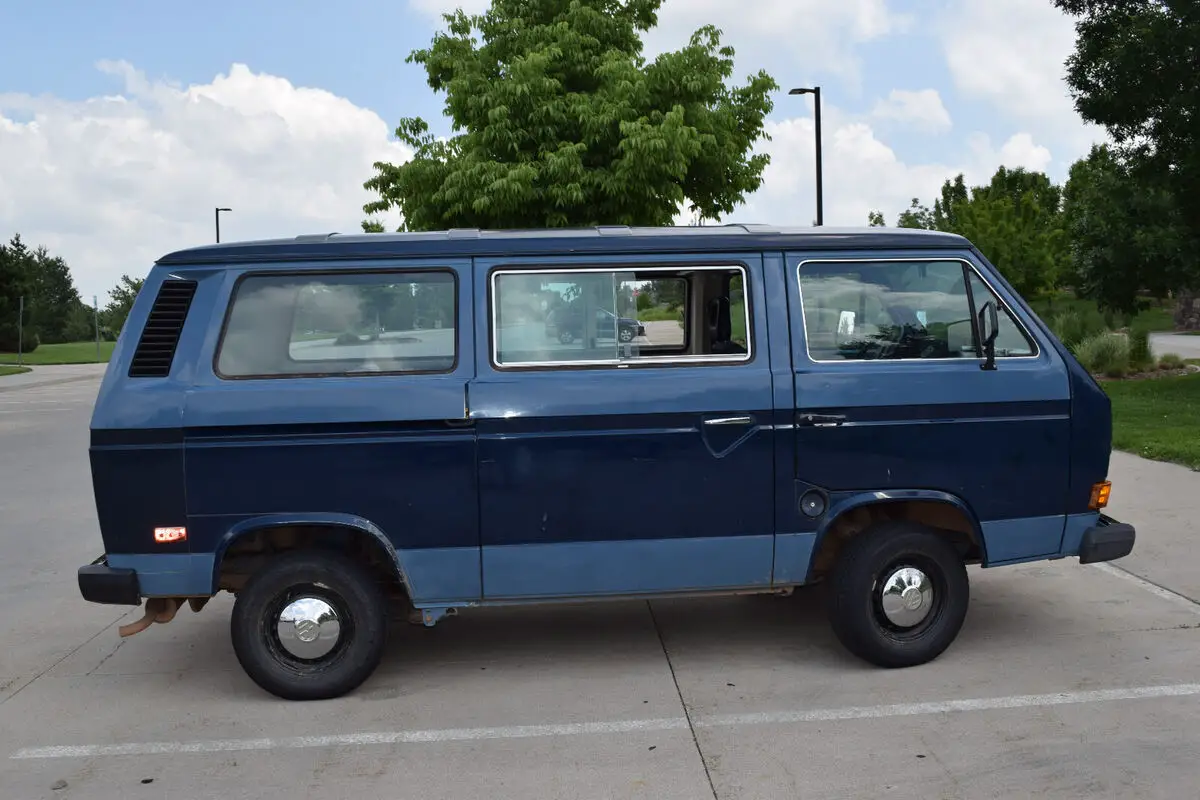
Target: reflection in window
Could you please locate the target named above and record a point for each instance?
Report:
(340, 324)
(886, 310)
(610, 317)
(1011, 339)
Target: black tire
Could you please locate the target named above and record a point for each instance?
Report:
(352, 590)
(626, 335)
(566, 337)
(855, 597)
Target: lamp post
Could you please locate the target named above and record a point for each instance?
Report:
(816, 92)
(217, 219)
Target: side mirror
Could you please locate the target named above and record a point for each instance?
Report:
(989, 329)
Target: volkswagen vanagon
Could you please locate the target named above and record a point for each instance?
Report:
(324, 425)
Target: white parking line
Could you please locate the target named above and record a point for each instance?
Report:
(1153, 588)
(616, 726)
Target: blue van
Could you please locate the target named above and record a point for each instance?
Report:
(334, 426)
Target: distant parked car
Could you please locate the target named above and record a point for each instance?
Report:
(566, 325)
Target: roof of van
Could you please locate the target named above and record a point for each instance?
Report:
(604, 238)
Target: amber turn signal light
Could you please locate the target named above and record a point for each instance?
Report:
(1100, 493)
(168, 535)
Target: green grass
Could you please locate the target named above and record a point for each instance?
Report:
(1158, 418)
(69, 353)
(7, 370)
(657, 314)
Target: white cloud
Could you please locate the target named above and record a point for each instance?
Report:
(922, 110)
(863, 173)
(824, 32)
(1012, 55)
(113, 182)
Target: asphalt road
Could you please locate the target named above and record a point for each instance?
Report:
(1068, 680)
(1182, 344)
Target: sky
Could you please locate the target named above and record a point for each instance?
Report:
(124, 124)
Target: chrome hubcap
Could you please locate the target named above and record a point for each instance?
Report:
(309, 628)
(907, 597)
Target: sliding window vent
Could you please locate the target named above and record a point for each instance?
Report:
(156, 349)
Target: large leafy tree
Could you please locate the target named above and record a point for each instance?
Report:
(120, 303)
(559, 120)
(1135, 70)
(1015, 219)
(1126, 234)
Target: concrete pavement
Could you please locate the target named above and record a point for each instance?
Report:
(52, 374)
(1181, 344)
(1067, 680)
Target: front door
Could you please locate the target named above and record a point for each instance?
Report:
(615, 465)
(890, 395)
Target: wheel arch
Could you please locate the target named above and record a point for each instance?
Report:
(322, 528)
(941, 511)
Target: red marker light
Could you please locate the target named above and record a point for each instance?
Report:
(168, 535)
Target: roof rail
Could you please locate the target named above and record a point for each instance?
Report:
(316, 237)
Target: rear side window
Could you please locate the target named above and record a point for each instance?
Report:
(340, 324)
(599, 317)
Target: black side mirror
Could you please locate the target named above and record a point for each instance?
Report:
(989, 329)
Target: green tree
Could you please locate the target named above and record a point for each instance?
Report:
(120, 302)
(560, 121)
(1015, 220)
(875, 219)
(1134, 71)
(1126, 233)
(56, 305)
(15, 284)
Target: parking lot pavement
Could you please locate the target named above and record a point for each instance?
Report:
(1181, 344)
(1069, 680)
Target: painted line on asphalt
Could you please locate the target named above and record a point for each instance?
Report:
(611, 727)
(1153, 588)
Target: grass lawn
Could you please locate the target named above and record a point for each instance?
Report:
(7, 370)
(1158, 418)
(69, 353)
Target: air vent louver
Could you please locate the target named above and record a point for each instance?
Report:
(156, 349)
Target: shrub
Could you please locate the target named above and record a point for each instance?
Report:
(1140, 356)
(1104, 353)
(1171, 361)
(348, 339)
(9, 340)
(1072, 327)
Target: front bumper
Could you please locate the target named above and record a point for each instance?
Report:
(100, 583)
(1107, 540)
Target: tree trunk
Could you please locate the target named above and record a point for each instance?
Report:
(1187, 311)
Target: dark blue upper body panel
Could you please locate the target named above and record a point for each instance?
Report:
(511, 482)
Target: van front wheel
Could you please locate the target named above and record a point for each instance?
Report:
(310, 625)
(898, 595)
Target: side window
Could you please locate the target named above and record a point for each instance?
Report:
(598, 317)
(1011, 339)
(340, 324)
(886, 310)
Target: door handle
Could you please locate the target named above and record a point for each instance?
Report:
(820, 420)
(743, 420)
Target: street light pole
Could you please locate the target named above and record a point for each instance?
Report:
(816, 92)
(217, 219)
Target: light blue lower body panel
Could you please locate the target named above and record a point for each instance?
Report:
(169, 575)
(1009, 541)
(627, 567)
(793, 556)
(1077, 525)
(441, 575)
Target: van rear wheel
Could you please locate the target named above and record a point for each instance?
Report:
(310, 625)
(898, 595)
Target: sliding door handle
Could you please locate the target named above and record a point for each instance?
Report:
(820, 420)
(740, 420)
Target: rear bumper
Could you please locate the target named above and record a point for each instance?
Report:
(1107, 540)
(100, 583)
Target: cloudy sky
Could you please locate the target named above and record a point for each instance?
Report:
(123, 124)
